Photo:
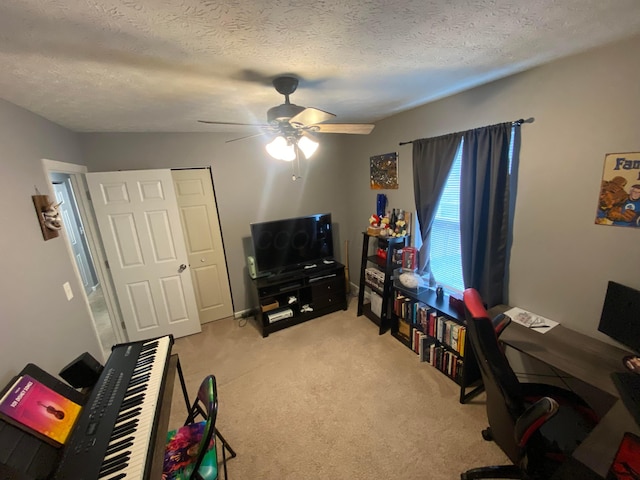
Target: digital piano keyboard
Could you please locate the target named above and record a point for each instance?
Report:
(116, 434)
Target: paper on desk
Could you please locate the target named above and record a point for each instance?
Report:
(530, 320)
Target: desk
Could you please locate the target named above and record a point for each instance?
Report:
(592, 362)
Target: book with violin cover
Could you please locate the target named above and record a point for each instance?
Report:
(36, 408)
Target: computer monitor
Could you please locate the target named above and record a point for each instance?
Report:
(620, 318)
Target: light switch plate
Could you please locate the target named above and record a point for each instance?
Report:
(67, 290)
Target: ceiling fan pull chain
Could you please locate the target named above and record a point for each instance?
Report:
(295, 165)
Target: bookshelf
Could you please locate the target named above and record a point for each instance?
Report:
(435, 331)
(376, 275)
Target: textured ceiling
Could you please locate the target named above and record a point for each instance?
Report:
(159, 65)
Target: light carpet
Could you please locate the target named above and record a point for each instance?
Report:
(332, 399)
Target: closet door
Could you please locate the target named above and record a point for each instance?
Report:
(203, 239)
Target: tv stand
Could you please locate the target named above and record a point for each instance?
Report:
(289, 298)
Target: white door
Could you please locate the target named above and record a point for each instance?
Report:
(139, 223)
(203, 239)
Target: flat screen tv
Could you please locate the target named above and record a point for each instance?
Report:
(291, 244)
(620, 317)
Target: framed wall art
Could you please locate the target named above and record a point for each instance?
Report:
(619, 200)
(384, 171)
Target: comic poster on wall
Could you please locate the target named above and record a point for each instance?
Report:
(384, 171)
(619, 202)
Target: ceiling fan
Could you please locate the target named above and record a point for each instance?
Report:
(294, 126)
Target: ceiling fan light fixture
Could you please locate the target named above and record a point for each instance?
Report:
(280, 149)
(308, 146)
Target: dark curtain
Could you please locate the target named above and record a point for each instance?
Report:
(432, 160)
(484, 210)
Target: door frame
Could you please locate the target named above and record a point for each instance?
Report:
(78, 182)
(139, 222)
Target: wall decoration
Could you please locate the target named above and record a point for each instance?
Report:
(384, 171)
(48, 216)
(619, 201)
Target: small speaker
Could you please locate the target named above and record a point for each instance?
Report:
(251, 264)
(83, 372)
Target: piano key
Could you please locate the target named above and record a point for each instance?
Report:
(150, 344)
(135, 390)
(119, 448)
(114, 469)
(123, 433)
(133, 401)
(138, 380)
(141, 448)
(146, 368)
(127, 414)
(125, 426)
(115, 460)
(117, 477)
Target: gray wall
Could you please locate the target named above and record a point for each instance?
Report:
(249, 185)
(584, 107)
(38, 324)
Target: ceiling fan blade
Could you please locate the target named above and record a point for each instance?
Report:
(247, 136)
(352, 128)
(311, 116)
(234, 123)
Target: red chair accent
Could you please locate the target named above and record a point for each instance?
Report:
(536, 425)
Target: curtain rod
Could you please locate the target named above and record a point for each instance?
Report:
(515, 123)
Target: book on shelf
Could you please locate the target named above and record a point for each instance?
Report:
(433, 315)
(462, 337)
(459, 370)
(432, 353)
(420, 346)
(455, 334)
(35, 408)
(427, 344)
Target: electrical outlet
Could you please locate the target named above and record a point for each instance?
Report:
(67, 290)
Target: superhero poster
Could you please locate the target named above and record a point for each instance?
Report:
(619, 201)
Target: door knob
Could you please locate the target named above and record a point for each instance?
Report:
(182, 268)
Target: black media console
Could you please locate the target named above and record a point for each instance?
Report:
(294, 297)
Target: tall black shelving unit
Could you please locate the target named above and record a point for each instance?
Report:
(384, 265)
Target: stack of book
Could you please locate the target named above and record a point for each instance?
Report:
(436, 339)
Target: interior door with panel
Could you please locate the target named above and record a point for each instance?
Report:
(139, 223)
(203, 239)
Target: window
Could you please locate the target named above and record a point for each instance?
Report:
(446, 264)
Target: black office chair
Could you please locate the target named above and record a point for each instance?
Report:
(191, 451)
(538, 426)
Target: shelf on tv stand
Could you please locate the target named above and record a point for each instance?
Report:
(323, 289)
(318, 266)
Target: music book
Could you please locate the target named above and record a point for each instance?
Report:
(36, 408)
(530, 320)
